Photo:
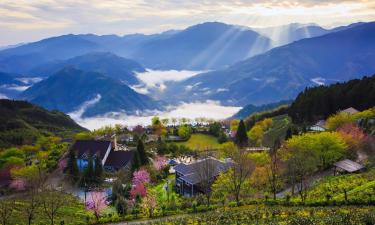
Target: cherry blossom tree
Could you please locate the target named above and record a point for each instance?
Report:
(62, 164)
(97, 203)
(141, 176)
(149, 203)
(18, 184)
(159, 162)
(138, 190)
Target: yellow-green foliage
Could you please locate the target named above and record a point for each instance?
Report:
(262, 215)
(327, 146)
(256, 133)
(337, 120)
(357, 186)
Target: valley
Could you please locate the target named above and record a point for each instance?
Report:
(195, 112)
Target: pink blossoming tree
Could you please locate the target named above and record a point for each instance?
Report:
(159, 162)
(139, 190)
(97, 203)
(18, 184)
(141, 177)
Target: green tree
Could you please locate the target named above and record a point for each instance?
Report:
(143, 159)
(72, 166)
(98, 172)
(241, 136)
(184, 131)
(89, 173)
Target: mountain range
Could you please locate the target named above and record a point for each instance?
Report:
(102, 62)
(284, 71)
(243, 67)
(70, 89)
(210, 45)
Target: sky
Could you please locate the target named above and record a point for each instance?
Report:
(31, 20)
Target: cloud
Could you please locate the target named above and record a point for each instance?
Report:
(51, 17)
(76, 115)
(2, 96)
(157, 79)
(208, 109)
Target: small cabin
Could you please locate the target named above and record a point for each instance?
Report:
(347, 166)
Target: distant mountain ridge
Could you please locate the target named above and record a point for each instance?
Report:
(284, 71)
(210, 45)
(70, 88)
(102, 62)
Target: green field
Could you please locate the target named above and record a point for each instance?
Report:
(201, 142)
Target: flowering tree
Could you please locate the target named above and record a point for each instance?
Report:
(18, 184)
(141, 177)
(160, 162)
(138, 190)
(352, 134)
(149, 203)
(62, 164)
(97, 203)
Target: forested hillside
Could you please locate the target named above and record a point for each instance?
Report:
(22, 123)
(319, 102)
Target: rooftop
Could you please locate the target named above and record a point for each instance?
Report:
(350, 110)
(349, 165)
(86, 148)
(191, 174)
(118, 159)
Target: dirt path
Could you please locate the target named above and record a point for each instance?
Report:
(312, 180)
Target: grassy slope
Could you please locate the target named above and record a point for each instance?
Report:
(278, 130)
(73, 212)
(358, 186)
(201, 142)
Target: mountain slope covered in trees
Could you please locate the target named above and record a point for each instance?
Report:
(69, 90)
(319, 102)
(22, 122)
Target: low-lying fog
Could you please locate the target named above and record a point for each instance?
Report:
(158, 79)
(208, 109)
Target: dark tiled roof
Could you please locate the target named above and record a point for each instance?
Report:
(118, 159)
(85, 148)
(191, 172)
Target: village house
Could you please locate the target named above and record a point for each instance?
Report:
(320, 126)
(189, 176)
(347, 166)
(112, 156)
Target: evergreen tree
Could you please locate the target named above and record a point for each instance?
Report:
(88, 176)
(241, 138)
(288, 133)
(136, 164)
(142, 153)
(98, 170)
(72, 166)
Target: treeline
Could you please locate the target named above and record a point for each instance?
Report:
(319, 102)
